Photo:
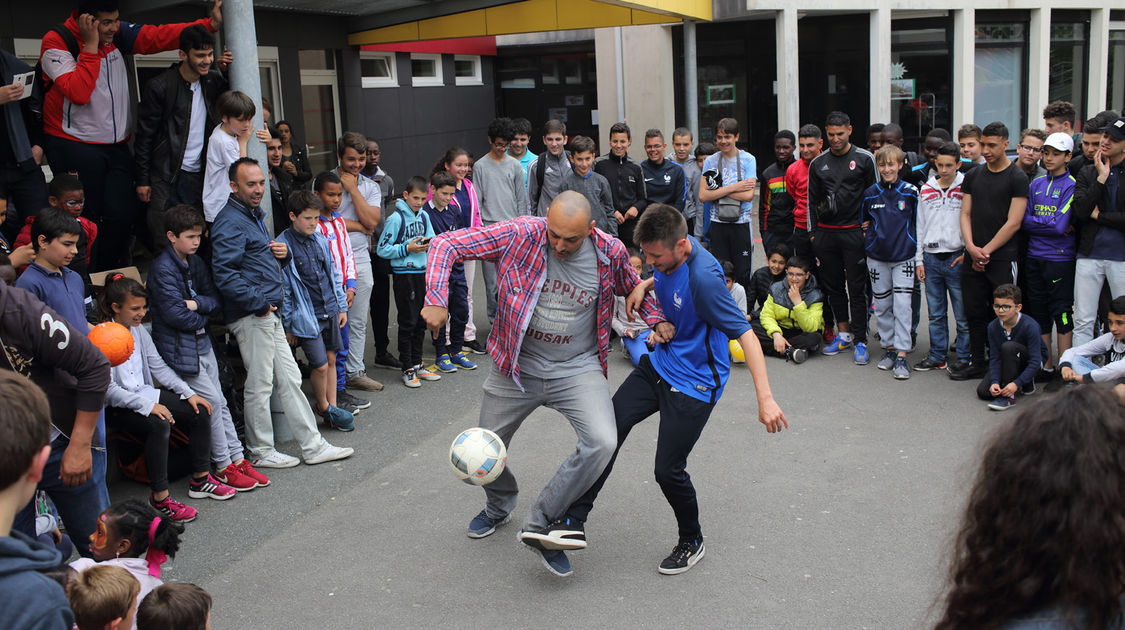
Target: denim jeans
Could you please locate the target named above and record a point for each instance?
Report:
(1089, 276)
(944, 281)
(80, 506)
(584, 401)
(1082, 365)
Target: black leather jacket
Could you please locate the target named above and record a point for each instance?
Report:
(162, 122)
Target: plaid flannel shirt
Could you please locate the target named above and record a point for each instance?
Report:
(517, 248)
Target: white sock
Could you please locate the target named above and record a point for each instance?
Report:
(846, 337)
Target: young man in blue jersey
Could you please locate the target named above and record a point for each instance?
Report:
(682, 378)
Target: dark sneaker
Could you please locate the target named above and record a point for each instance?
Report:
(475, 347)
(1044, 376)
(339, 419)
(967, 373)
(1002, 403)
(387, 360)
(888, 360)
(1054, 386)
(927, 364)
(562, 534)
(682, 558)
(796, 355)
(353, 402)
(483, 525)
(1028, 389)
(555, 561)
(900, 369)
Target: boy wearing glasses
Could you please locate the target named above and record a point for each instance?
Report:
(791, 321)
(1028, 152)
(1015, 351)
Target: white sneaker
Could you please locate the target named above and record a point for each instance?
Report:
(426, 374)
(276, 460)
(330, 454)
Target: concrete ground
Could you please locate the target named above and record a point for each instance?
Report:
(843, 521)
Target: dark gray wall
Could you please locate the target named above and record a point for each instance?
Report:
(415, 126)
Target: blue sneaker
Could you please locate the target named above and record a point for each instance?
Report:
(861, 356)
(339, 419)
(836, 346)
(555, 561)
(444, 364)
(483, 525)
(462, 361)
(1002, 403)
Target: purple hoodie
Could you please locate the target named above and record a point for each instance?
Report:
(1048, 218)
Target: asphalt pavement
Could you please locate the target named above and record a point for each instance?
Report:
(845, 520)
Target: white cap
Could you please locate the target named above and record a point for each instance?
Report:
(1060, 141)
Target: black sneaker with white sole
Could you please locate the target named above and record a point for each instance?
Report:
(683, 557)
(563, 534)
(474, 346)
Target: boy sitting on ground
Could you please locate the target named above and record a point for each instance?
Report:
(1077, 366)
(1015, 351)
(791, 321)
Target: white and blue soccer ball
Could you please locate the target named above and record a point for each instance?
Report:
(478, 456)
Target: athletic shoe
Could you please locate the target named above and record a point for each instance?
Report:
(565, 533)
(209, 488)
(483, 525)
(410, 379)
(927, 364)
(330, 454)
(276, 460)
(555, 561)
(339, 419)
(888, 360)
(1054, 386)
(968, 372)
(475, 347)
(462, 361)
(387, 360)
(901, 369)
(246, 469)
(427, 374)
(829, 334)
(1002, 403)
(683, 557)
(350, 403)
(173, 510)
(860, 356)
(364, 382)
(796, 355)
(234, 478)
(1029, 389)
(443, 364)
(1045, 376)
(836, 347)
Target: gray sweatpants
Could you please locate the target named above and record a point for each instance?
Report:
(225, 447)
(893, 287)
(585, 402)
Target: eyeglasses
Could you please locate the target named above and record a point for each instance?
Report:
(1003, 308)
(1030, 149)
(796, 276)
(74, 203)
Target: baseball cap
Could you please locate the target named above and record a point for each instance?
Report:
(1061, 142)
(1116, 129)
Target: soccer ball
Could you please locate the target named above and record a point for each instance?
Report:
(478, 456)
(736, 353)
(114, 340)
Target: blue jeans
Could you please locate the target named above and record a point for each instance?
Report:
(942, 280)
(80, 506)
(1082, 365)
(584, 400)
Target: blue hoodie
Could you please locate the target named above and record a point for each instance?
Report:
(893, 212)
(402, 227)
(31, 599)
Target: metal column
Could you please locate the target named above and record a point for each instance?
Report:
(242, 41)
(691, 80)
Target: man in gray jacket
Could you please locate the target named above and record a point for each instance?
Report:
(545, 174)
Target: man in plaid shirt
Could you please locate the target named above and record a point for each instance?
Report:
(557, 277)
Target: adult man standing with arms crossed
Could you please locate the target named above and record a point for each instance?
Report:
(550, 343)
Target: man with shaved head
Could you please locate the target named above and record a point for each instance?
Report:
(557, 278)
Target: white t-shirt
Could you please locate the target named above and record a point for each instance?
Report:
(193, 149)
(222, 151)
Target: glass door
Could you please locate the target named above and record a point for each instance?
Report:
(320, 98)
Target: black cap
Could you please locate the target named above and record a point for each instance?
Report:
(1116, 129)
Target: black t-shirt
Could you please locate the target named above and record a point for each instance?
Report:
(992, 196)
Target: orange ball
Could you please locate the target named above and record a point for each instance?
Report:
(114, 340)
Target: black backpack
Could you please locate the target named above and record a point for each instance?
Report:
(540, 171)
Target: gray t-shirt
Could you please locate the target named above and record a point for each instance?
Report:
(500, 189)
(562, 337)
(373, 195)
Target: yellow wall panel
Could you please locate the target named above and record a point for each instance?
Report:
(450, 26)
